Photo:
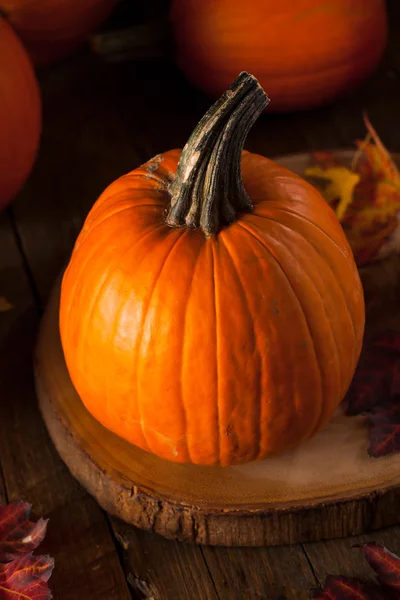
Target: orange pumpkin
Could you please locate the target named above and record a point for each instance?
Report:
(305, 52)
(20, 115)
(208, 322)
(52, 29)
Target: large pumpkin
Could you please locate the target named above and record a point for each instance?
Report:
(206, 323)
(305, 52)
(20, 114)
(52, 29)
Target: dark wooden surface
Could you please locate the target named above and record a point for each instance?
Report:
(100, 120)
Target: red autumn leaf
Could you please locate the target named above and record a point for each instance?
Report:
(377, 375)
(19, 535)
(385, 563)
(25, 578)
(348, 588)
(384, 435)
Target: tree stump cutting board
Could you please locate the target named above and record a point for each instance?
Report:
(329, 487)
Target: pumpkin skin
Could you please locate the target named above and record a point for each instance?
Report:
(216, 351)
(20, 115)
(53, 29)
(305, 53)
(221, 348)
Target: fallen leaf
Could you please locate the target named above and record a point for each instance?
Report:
(25, 578)
(385, 429)
(366, 196)
(4, 304)
(385, 564)
(376, 377)
(347, 588)
(342, 185)
(19, 535)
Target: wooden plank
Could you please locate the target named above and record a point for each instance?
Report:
(84, 147)
(87, 564)
(159, 569)
(338, 557)
(273, 573)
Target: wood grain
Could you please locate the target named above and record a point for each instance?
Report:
(78, 536)
(260, 573)
(338, 557)
(328, 487)
(161, 569)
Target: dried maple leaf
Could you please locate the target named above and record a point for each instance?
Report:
(26, 578)
(375, 392)
(366, 197)
(347, 588)
(19, 535)
(377, 375)
(385, 564)
(385, 431)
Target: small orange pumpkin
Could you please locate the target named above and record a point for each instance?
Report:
(52, 29)
(208, 320)
(305, 52)
(20, 114)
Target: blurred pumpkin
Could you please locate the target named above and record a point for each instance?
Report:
(20, 114)
(305, 53)
(208, 322)
(52, 29)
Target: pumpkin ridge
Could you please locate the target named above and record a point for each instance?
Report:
(92, 254)
(311, 223)
(335, 276)
(258, 391)
(142, 174)
(217, 344)
(183, 326)
(297, 300)
(97, 222)
(325, 234)
(179, 236)
(328, 320)
(335, 279)
(149, 231)
(334, 346)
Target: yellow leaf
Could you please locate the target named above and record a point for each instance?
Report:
(4, 304)
(341, 186)
(366, 196)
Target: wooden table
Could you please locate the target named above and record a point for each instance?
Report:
(101, 120)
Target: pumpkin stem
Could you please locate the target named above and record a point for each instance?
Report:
(208, 191)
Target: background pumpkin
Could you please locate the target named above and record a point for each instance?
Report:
(52, 29)
(305, 53)
(228, 330)
(20, 114)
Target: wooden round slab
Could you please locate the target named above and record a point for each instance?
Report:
(329, 487)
